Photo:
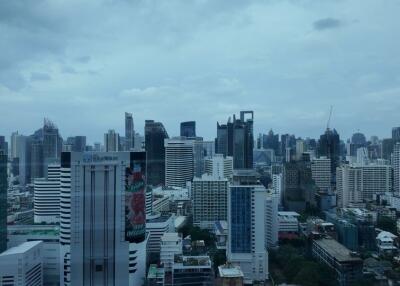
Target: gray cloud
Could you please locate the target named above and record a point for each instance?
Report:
(37, 76)
(326, 24)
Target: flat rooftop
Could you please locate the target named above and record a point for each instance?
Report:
(336, 250)
(229, 271)
(22, 248)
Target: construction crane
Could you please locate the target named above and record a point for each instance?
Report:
(329, 118)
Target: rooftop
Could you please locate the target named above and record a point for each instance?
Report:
(336, 250)
(155, 272)
(229, 271)
(22, 248)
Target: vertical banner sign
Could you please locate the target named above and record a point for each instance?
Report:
(135, 204)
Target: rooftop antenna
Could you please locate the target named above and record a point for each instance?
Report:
(329, 118)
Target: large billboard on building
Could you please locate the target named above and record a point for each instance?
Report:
(135, 198)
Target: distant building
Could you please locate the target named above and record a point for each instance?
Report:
(22, 265)
(329, 146)
(188, 129)
(219, 166)
(111, 141)
(396, 168)
(155, 134)
(236, 139)
(396, 135)
(46, 195)
(179, 161)
(129, 132)
(209, 196)
(321, 173)
(3, 201)
(347, 266)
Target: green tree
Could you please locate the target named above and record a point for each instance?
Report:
(387, 224)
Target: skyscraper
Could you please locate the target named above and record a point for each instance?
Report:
(129, 132)
(179, 161)
(188, 129)
(103, 230)
(396, 168)
(3, 201)
(52, 142)
(236, 139)
(247, 226)
(111, 141)
(155, 134)
(329, 146)
(396, 134)
(3, 145)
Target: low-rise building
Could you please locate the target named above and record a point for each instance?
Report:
(192, 270)
(155, 276)
(385, 242)
(347, 265)
(156, 226)
(221, 233)
(171, 245)
(288, 225)
(230, 275)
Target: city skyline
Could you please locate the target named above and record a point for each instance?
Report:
(288, 61)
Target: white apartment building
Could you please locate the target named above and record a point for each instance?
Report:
(271, 219)
(171, 245)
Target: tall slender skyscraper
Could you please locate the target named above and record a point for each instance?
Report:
(155, 134)
(3, 201)
(3, 145)
(129, 132)
(188, 129)
(236, 139)
(396, 134)
(329, 146)
(396, 168)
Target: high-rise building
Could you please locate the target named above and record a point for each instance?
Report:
(155, 134)
(36, 159)
(52, 142)
(129, 132)
(219, 166)
(209, 196)
(329, 146)
(271, 219)
(277, 186)
(3, 145)
(300, 148)
(198, 156)
(188, 129)
(13, 144)
(321, 173)
(77, 143)
(396, 168)
(46, 203)
(23, 158)
(236, 139)
(179, 161)
(358, 183)
(111, 141)
(247, 226)
(396, 134)
(22, 265)
(3, 201)
(103, 236)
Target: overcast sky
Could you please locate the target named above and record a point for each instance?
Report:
(84, 63)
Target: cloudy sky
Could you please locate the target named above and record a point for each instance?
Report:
(84, 63)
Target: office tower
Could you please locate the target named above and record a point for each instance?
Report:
(179, 161)
(300, 148)
(359, 139)
(3, 145)
(46, 203)
(277, 186)
(209, 148)
(396, 134)
(3, 201)
(271, 219)
(358, 183)
(209, 195)
(129, 132)
(247, 226)
(111, 141)
(396, 168)
(219, 166)
(188, 129)
(22, 160)
(362, 156)
(271, 141)
(236, 139)
(99, 244)
(22, 265)
(321, 173)
(329, 146)
(13, 143)
(155, 134)
(299, 188)
(77, 143)
(52, 142)
(37, 159)
(139, 142)
(97, 147)
(198, 156)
